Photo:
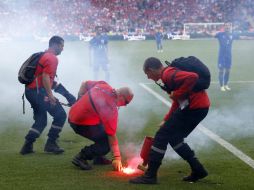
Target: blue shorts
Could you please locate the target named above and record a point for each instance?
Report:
(224, 61)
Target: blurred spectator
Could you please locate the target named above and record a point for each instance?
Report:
(72, 17)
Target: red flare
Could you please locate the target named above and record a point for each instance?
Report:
(128, 170)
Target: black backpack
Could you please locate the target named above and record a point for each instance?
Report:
(190, 64)
(26, 73)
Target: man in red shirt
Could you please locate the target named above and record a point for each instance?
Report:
(39, 94)
(188, 109)
(95, 116)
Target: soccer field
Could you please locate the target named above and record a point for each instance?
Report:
(226, 149)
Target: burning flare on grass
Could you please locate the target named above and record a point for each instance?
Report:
(132, 166)
(128, 170)
(134, 162)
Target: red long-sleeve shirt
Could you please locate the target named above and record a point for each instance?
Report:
(183, 84)
(105, 101)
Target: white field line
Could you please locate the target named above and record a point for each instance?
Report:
(209, 133)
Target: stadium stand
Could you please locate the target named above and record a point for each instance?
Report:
(75, 17)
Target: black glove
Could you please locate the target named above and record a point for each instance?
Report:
(62, 90)
(70, 98)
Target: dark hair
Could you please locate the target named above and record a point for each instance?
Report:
(152, 63)
(55, 40)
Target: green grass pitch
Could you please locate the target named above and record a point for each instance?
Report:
(230, 117)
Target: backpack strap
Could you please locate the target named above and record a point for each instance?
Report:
(36, 78)
(168, 63)
(102, 90)
(105, 91)
(165, 86)
(91, 100)
(23, 100)
(173, 78)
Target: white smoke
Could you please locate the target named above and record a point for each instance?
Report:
(228, 122)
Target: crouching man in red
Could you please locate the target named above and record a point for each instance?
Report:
(94, 116)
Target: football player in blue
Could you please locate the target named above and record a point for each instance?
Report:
(225, 39)
(158, 38)
(98, 47)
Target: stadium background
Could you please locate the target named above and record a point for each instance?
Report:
(28, 19)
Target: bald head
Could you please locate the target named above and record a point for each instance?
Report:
(124, 96)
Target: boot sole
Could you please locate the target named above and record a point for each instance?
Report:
(52, 152)
(25, 153)
(143, 182)
(196, 178)
(77, 163)
(140, 180)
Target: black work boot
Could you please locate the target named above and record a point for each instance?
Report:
(144, 179)
(150, 176)
(101, 160)
(81, 162)
(52, 147)
(198, 171)
(27, 148)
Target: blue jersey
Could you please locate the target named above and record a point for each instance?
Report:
(158, 37)
(99, 47)
(225, 51)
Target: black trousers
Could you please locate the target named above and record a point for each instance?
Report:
(96, 134)
(179, 126)
(40, 109)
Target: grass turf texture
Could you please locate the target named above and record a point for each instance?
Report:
(45, 171)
